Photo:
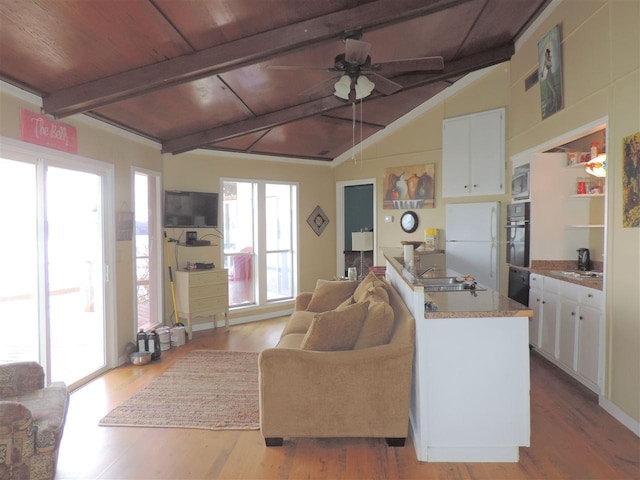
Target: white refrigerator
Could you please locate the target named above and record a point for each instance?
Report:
(472, 241)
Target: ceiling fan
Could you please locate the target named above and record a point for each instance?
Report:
(357, 72)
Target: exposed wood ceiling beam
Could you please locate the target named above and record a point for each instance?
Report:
(236, 54)
(452, 69)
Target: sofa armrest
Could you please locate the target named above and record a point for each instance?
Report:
(302, 300)
(356, 393)
(16, 434)
(19, 378)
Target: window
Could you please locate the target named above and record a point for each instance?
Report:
(148, 249)
(260, 244)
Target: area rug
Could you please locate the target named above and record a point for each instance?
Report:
(206, 389)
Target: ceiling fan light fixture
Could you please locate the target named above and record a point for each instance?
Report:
(364, 87)
(342, 87)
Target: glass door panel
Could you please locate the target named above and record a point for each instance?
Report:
(148, 251)
(75, 273)
(19, 330)
(239, 253)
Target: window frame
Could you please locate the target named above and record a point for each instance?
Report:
(260, 240)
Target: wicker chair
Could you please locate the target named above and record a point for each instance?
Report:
(32, 419)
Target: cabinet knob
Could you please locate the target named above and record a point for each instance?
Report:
(590, 295)
(475, 185)
(581, 317)
(543, 302)
(573, 314)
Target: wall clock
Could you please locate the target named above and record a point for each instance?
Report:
(409, 222)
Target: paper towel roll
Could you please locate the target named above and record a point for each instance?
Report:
(408, 256)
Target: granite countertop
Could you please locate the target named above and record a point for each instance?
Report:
(474, 304)
(466, 303)
(551, 268)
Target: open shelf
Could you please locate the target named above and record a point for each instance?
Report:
(587, 195)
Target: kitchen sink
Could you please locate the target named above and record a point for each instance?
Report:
(436, 281)
(457, 287)
(445, 284)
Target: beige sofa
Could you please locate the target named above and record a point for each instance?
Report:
(311, 386)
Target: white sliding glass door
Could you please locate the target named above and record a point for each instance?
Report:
(75, 286)
(53, 282)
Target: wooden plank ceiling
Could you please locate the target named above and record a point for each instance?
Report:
(194, 74)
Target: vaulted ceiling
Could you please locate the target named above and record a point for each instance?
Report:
(199, 73)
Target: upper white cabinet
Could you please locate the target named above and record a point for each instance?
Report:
(473, 149)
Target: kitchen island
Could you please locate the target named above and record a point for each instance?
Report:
(470, 388)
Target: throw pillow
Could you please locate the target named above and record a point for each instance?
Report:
(368, 285)
(328, 294)
(336, 329)
(378, 325)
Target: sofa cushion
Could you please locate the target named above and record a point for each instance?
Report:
(370, 284)
(299, 322)
(378, 324)
(328, 294)
(336, 329)
(292, 340)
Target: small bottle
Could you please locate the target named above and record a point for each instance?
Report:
(594, 150)
(154, 344)
(142, 341)
(581, 186)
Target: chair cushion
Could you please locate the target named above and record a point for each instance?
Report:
(336, 329)
(328, 294)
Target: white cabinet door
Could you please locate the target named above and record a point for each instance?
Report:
(588, 343)
(567, 332)
(486, 140)
(473, 154)
(535, 304)
(455, 157)
(549, 323)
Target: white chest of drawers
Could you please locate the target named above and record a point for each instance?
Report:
(202, 293)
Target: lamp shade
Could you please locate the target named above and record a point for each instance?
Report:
(361, 241)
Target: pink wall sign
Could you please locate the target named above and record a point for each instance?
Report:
(41, 130)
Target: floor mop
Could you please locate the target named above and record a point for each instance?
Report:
(177, 322)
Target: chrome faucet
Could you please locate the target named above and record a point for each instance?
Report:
(430, 269)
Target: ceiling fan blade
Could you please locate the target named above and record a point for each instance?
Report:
(384, 85)
(421, 64)
(325, 87)
(298, 67)
(356, 51)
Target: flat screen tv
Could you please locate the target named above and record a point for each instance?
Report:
(190, 209)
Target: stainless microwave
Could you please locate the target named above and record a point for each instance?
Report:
(520, 183)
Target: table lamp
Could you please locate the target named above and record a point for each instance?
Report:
(361, 242)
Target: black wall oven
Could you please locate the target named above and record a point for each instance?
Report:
(518, 234)
(519, 285)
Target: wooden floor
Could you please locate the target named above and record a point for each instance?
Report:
(572, 437)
